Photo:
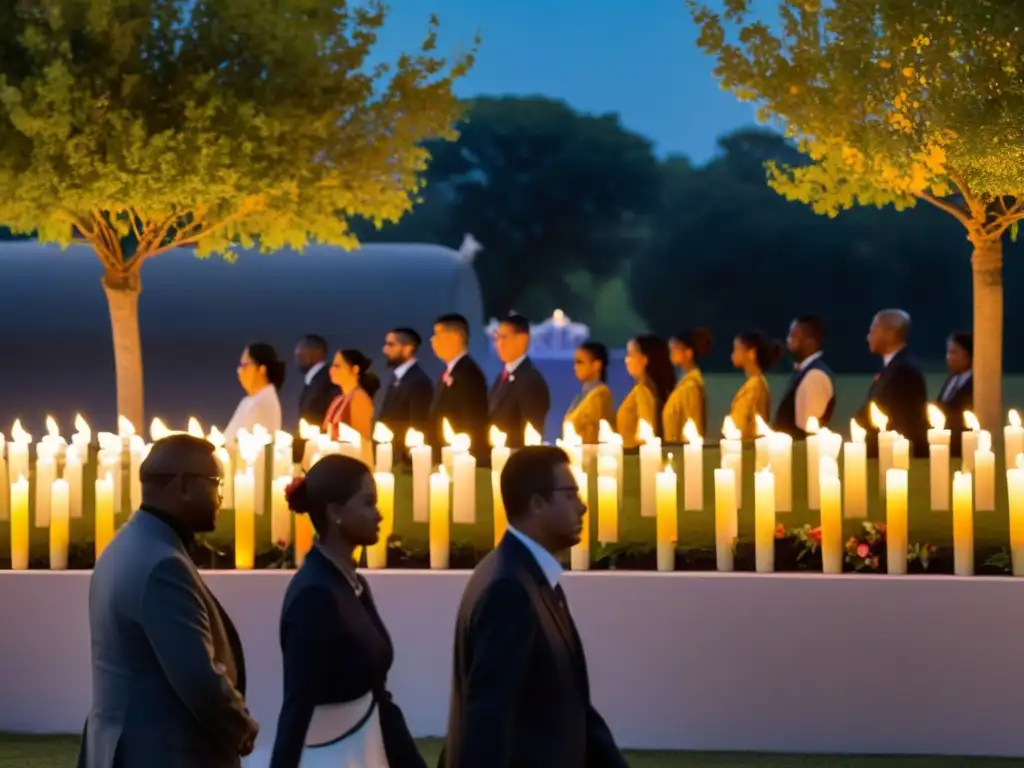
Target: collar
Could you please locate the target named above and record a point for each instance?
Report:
(401, 370)
(186, 536)
(802, 365)
(886, 359)
(590, 386)
(551, 568)
(312, 372)
(694, 374)
(455, 361)
(511, 367)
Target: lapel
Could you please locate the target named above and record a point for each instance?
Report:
(560, 615)
(501, 389)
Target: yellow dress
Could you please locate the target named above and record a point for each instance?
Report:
(588, 410)
(687, 401)
(753, 399)
(640, 403)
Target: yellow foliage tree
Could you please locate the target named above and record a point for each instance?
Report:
(145, 125)
(894, 102)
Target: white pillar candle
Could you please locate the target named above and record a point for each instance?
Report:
(969, 441)
(1013, 438)
(384, 455)
(811, 448)
(731, 450)
(984, 474)
(667, 514)
(280, 515)
(764, 521)
(46, 473)
(1015, 496)
(19, 524)
(831, 516)
(938, 459)
(896, 535)
(610, 446)
(283, 454)
(59, 525)
(104, 516)
(693, 468)
(138, 450)
(499, 455)
(227, 472)
(463, 487)
(855, 473)
(726, 524)
(377, 555)
(963, 525)
(607, 500)
(440, 519)
(900, 454)
(780, 461)
(420, 457)
(245, 522)
(650, 464)
(74, 477)
(5, 488)
(18, 453)
(579, 555)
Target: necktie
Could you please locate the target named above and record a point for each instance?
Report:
(504, 375)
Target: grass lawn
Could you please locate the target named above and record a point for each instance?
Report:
(61, 751)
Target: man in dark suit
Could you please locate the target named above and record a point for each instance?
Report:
(520, 690)
(461, 394)
(519, 396)
(899, 390)
(317, 391)
(167, 664)
(957, 392)
(409, 393)
(811, 392)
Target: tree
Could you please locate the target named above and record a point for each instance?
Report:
(146, 125)
(546, 191)
(894, 102)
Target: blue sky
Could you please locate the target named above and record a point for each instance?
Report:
(635, 58)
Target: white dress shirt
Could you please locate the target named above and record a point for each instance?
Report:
(314, 371)
(455, 361)
(403, 369)
(886, 359)
(955, 384)
(263, 408)
(511, 367)
(548, 564)
(814, 392)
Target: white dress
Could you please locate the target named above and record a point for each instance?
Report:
(263, 409)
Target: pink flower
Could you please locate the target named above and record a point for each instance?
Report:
(780, 531)
(447, 379)
(815, 533)
(863, 550)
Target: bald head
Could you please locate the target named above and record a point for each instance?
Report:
(889, 331)
(179, 454)
(182, 478)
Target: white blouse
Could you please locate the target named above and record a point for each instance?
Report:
(263, 408)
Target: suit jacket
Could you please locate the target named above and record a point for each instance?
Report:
(316, 398)
(336, 649)
(901, 394)
(959, 400)
(167, 664)
(406, 403)
(461, 397)
(520, 693)
(517, 399)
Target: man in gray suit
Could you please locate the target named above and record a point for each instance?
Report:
(168, 672)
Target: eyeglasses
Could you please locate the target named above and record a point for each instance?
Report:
(167, 479)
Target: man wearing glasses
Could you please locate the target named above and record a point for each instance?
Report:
(168, 671)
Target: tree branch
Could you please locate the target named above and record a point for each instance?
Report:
(964, 217)
(978, 211)
(193, 239)
(135, 220)
(107, 247)
(151, 242)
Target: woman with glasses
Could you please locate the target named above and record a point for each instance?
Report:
(337, 652)
(261, 374)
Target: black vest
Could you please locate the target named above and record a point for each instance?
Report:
(785, 416)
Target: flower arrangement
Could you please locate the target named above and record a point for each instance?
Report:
(864, 552)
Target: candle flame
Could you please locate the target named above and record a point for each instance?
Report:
(348, 435)
(124, 427)
(441, 471)
(765, 470)
(261, 434)
(763, 430)
(307, 431)
(690, 433)
(414, 438)
(22, 480)
(282, 439)
(195, 428)
(936, 418)
(110, 443)
(498, 439)
(82, 426)
(570, 437)
(216, 438)
(971, 421)
(52, 430)
(644, 432)
(857, 433)
(447, 432)
(461, 443)
(381, 433)
(158, 430)
(729, 429)
(878, 419)
(1014, 418)
(605, 432)
(813, 426)
(248, 446)
(669, 469)
(531, 436)
(18, 433)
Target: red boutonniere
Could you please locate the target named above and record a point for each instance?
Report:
(878, 376)
(447, 379)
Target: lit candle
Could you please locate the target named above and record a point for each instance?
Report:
(110, 459)
(227, 473)
(764, 520)
(780, 460)
(731, 447)
(280, 515)
(963, 525)
(245, 521)
(726, 523)
(448, 435)
(896, 536)
(984, 474)
(138, 450)
(572, 444)
(900, 453)
(499, 455)
(73, 477)
(880, 421)
(463, 481)
(1013, 438)
(420, 457)
(1015, 494)
(60, 513)
(17, 452)
(693, 468)
(104, 517)
(811, 447)
(283, 454)
(607, 500)
(650, 463)
(384, 458)
(46, 473)
(377, 555)
(19, 524)
(855, 473)
(667, 516)
(762, 444)
(5, 486)
(969, 441)
(831, 516)
(579, 555)
(610, 446)
(309, 434)
(125, 431)
(440, 520)
(195, 428)
(938, 459)
(351, 443)
(531, 436)
(304, 535)
(53, 440)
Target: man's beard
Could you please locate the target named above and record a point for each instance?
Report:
(394, 362)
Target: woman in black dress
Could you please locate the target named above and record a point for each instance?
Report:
(337, 652)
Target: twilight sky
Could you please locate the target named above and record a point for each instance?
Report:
(637, 58)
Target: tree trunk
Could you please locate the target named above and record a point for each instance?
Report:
(123, 289)
(987, 268)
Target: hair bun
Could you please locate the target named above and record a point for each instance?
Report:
(296, 495)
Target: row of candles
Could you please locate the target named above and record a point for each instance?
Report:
(448, 493)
